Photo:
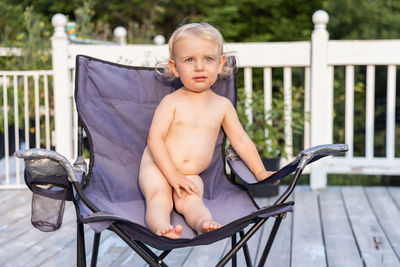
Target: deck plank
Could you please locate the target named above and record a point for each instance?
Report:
(254, 241)
(279, 255)
(11, 226)
(34, 246)
(109, 251)
(208, 255)
(16, 208)
(308, 247)
(367, 230)
(344, 219)
(387, 214)
(178, 256)
(338, 235)
(14, 198)
(394, 192)
(26, 243)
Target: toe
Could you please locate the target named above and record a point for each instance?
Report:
(178, 229)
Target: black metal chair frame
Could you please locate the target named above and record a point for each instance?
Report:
(157, 260)
(75, 187)
(238, 239)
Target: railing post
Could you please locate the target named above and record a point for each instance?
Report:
(120, 34)
(321, 95)
(62, 88)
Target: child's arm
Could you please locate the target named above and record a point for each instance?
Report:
(162, 120)
(243, 144)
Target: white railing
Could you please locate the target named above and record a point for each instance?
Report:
(8, 52)
(318, 58)
(30, 93)
(369, 54)
(268, 56)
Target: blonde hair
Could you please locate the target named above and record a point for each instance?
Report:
(205, 31)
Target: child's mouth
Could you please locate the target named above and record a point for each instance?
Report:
(200, 78)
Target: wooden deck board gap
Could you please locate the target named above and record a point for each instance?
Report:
(352, 228)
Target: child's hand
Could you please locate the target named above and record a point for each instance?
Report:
(180, 181)
(265, 175)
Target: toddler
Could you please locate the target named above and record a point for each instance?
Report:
(184, 132)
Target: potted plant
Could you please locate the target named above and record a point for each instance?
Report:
(267, 129)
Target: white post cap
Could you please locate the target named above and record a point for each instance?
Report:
(320, 18)
(120, 33)
(59, 22)
(159, 40)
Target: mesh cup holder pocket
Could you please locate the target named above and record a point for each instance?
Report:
(48, 203)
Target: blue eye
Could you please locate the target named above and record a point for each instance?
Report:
(189, 60)
(209, 58)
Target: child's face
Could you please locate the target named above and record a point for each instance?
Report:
(196, 63)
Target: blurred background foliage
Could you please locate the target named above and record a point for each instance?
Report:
(239, 20)
(27, 24)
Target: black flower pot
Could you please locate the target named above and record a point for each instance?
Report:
(271, 164)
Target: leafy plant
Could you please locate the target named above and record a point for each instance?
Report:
(34, 41)
(267, 128)
(84, 15)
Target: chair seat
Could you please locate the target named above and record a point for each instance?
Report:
(234, 211)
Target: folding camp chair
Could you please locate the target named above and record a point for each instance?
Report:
(115, 104)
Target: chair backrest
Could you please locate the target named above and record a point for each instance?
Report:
(116, 105)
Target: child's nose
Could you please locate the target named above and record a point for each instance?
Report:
(199, 65)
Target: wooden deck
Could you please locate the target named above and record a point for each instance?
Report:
(341, 226)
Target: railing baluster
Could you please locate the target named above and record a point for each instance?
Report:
(47, 110)
(267, 98)
(370, 112)
(37, 115)
(5, 115)
(15, 181)
(349, 116)
(26, 111)
(16, 127)
(390, 111)
(287, 95)
(248, 89)
(307, 108)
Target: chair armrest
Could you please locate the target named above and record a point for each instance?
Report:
(305, 157)
(41, 163)
(51, 167)
(297, 165)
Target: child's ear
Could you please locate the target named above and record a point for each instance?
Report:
(221, 63)
(172, 67)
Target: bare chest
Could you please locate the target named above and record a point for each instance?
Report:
(194, 118)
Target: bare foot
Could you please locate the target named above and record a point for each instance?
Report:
(208, 226)
(170, 232)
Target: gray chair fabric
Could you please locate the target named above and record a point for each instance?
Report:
(116, 105)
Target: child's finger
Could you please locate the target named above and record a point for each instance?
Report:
(188, 189)
(194, 188)
(178, 190)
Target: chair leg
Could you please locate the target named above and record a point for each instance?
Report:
(80, 239)
(245, 238)
(246, 251)
(95, 249)
(270, 241)
(234, 258)
(138, 249)
(164, 254)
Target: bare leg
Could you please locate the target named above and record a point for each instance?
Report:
(192, 207)
(158, 195)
